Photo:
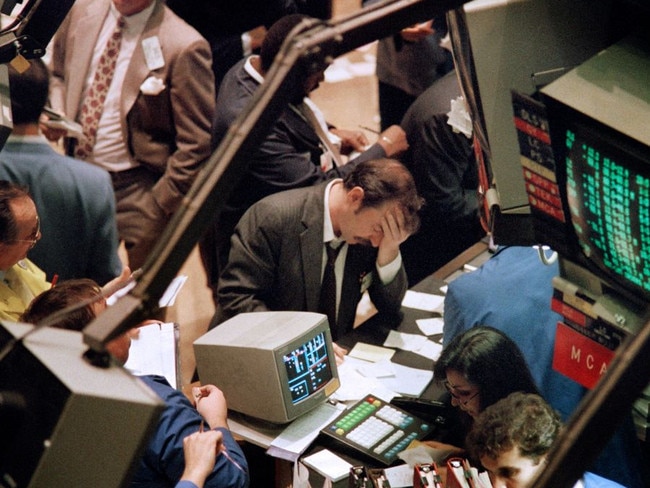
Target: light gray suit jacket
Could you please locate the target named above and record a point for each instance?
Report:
(276, 260)
(169, 132)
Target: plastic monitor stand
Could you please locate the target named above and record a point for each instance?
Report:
(377, 429)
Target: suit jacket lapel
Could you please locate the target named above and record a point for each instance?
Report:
(302, 126)
(138, 70)
(311, 245)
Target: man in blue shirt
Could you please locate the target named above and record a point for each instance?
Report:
(162, 462)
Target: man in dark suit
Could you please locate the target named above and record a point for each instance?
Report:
(444, 167)
(233, 29)
(153, 135)
(278, 253)
(292, 155)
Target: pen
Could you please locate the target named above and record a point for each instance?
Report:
(229, 458)
(197, 393)
(55, 278)
(224, 451)
(369, 129)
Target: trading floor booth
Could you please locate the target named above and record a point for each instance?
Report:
(607, 288)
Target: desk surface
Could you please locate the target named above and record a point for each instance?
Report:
(374, 331)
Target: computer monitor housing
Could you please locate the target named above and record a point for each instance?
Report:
(273, 366)
(520, 45)
(598, 118)
(76, 424)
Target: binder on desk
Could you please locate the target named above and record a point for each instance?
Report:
(363, 477)
(426, 476)
(460, 474)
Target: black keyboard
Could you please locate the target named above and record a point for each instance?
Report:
(377, 429)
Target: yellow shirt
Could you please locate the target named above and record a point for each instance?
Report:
(18, 287)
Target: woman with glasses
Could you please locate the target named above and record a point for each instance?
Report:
(479, 368)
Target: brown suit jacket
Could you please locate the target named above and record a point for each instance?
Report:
(169, 132)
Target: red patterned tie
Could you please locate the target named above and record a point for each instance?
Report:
(93, 105)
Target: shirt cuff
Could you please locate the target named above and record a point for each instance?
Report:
(185, 484)
(247, 44)
(388, 272)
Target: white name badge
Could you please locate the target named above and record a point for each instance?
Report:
(153, 53)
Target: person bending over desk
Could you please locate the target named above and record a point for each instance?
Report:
(278, 259)
(485, 296)
(300, 149)
(163, 460)
(478, 368)
(513, 437)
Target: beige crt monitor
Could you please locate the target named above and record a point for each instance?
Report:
(71, 423)
(273, 366)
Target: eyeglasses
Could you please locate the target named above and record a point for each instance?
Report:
(460, 397)
(34, 237)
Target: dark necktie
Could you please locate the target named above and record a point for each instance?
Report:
(327, 303)
(93, 105)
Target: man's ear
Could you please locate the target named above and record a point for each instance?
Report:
(355, 197)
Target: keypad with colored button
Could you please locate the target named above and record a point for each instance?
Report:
(377, 429)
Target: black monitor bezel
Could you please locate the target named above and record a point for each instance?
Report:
(637, 157)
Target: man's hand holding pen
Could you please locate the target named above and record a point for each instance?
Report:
(211, 404)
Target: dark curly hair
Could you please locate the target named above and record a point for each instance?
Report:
(277, 34)
(522, 420)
